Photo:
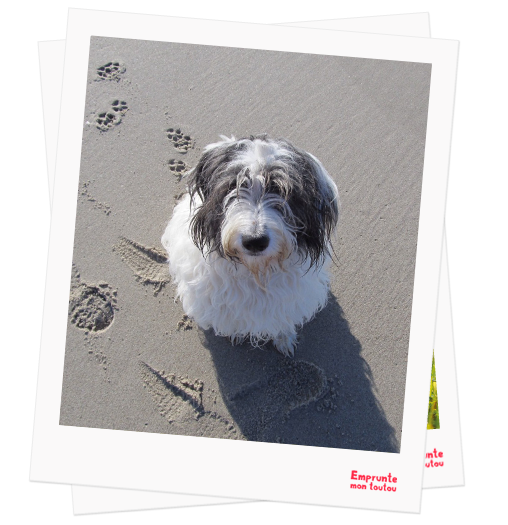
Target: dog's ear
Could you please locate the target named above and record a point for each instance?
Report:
(200, 176)
(208, 184)
(314, 202)
(323, 209)
(211, 167)
(328, 195)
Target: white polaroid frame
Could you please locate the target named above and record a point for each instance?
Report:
(275, 471)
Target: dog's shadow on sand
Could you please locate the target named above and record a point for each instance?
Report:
(323, 397)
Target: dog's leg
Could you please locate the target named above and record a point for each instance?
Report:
(285, 344)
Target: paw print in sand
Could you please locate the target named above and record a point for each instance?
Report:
(108, 119)
(185, 323)
(181, 142)
(91, 306)
(110, 71)
(119, 106)
(178, 168)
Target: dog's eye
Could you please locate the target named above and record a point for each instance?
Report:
(274, 188)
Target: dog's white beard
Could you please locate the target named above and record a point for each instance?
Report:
(242, 300)
(245, 216)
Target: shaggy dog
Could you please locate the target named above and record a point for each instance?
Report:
(249, 244)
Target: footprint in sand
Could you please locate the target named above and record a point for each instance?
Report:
(110, 71)
(270, 400)
(180, 401)
(91, 306)
(178, 168)
(148, 264)
(185, 323)
(106, 120)
(181, 142)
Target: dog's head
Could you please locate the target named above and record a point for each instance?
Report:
(258, 200)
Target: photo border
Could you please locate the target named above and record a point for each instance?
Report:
(271, 471)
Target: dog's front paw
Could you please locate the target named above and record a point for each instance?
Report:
(285, 344)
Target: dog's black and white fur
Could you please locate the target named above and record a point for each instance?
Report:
(249, 244)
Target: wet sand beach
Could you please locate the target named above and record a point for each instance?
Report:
(134, 360)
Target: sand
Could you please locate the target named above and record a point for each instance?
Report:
(133, 360)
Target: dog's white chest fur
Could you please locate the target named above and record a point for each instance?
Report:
(225, 296)
(249, 245)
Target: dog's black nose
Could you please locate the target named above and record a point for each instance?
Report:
(255, 243)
